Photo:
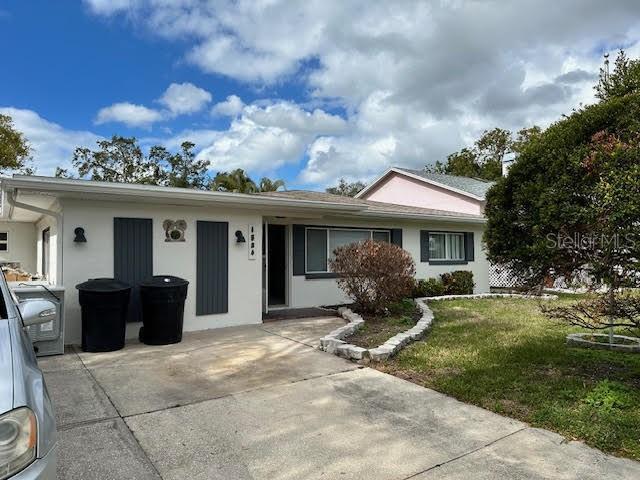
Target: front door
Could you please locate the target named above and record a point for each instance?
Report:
(277, 265)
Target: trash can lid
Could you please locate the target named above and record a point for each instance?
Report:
(103, 285)
(164, 281)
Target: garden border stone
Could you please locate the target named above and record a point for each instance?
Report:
(334, 342)
(544, 296)
(578, 340)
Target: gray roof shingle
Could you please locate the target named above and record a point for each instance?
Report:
(474, 186)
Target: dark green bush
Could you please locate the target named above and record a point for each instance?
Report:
(459, 282)
(405, 307)
(428, 287)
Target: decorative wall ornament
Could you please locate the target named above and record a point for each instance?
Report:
(174, 230)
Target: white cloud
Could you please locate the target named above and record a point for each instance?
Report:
(253, 147)
(200, 137)
(184, 98)
(52, 145)
(110, 7)
(289, 116)
(263, 138)
(231, 107)
(417, 80)
(130, 114)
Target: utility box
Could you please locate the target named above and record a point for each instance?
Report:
(47, 338)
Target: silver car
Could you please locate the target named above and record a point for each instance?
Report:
(27, 423)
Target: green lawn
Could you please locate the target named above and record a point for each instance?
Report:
(504, 355)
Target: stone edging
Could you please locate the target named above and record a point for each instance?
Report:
(544, 296)
(334, 342)
(579, 340)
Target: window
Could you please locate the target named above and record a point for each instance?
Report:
(316, 250)
(446, 246)
(4, 241)
(322, 242)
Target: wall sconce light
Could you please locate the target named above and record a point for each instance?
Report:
(240, 237)
(79, 235)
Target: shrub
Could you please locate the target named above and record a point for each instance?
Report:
(404, 308)
(601, 312)
(429, 287)
(459, 282)
(373, 274)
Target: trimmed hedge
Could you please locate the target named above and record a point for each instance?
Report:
(459, 282)
(429, 287)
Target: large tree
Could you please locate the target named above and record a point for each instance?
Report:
(346, 189)
(484, 159)
(180, 169)
(623, 80)
(239, 182)
(574, 186)
(119, 159)
(14, 148)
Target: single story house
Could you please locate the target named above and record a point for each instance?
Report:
(419, 188)
(242, 254)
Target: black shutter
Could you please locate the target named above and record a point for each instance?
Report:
(298, 249)
(133, 257)
(424, 246)
(212, 268)
(468, 247)
(396, 236)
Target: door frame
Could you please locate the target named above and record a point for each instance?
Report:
(266, 306)
(46, 253)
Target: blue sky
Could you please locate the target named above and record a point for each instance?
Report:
(319, 90)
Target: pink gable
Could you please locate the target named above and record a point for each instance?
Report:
(403, 190)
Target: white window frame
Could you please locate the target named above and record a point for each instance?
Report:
(5, 242)
(342, 229)
(447, 252)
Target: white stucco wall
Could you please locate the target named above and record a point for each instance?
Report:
(22, 244)
(95, 258)
(313, 292)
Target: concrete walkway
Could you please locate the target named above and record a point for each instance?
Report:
(262, 403)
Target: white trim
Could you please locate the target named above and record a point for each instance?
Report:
(422, 216)
(60, 186)
(81, 189)
(416, 177)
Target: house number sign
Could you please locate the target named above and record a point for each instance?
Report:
(252, 242)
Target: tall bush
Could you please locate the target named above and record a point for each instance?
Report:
(373, 274)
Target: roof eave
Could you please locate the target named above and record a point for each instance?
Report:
(423, 216)
(419, 178)
(54, 186)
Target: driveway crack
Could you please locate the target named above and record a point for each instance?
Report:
(463, 455)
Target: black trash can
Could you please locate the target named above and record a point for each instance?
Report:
(105, 306)
(162, 298)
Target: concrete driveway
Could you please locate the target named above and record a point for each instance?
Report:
(261, 402)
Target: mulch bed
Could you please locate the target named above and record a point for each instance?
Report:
(378, 329)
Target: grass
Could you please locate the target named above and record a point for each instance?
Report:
(505, 356)
(378, 329)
